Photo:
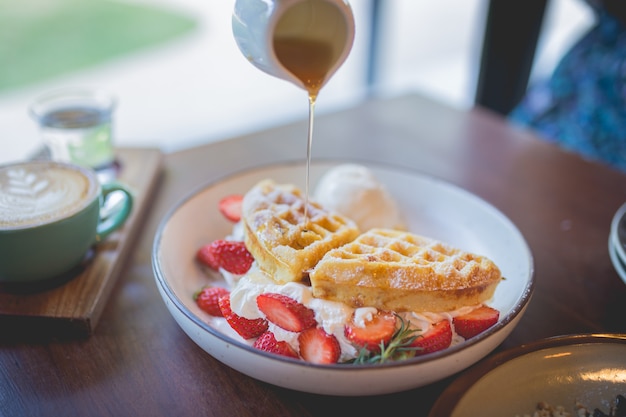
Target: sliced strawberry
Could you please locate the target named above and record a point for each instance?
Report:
(230, 207)
(285, 312)
(376, 331)
(268, 343)
(438, 337)
(228, 254)
(206, 256)
(476, 321)
(207, 299)
(317, 346)
(247, 328)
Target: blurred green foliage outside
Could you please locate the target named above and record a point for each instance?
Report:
(41, 39)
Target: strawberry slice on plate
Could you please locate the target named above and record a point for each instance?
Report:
(208, 299)
(476, 321)
(206, 256)
(268, 343)
(285, 312)
(317, 346)
(247, 328)
(438, 337)
(230, 207)
(379, 329)
(231, 255)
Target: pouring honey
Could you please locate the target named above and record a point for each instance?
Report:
(301, 41)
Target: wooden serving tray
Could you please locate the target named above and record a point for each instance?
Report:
(72, 307)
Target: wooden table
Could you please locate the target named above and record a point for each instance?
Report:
(139, 363)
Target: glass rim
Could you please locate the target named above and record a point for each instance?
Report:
(67, 97)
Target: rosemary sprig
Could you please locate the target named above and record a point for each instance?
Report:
(398, 348)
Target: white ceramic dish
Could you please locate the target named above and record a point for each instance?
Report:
(617, 242)
(431, 207)
(616, 260)
(560, 371)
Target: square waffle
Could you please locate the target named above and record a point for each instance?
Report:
(283, 244)
(401, 271)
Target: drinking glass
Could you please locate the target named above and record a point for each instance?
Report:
(76, 126)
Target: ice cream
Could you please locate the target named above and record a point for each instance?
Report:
(354, 191)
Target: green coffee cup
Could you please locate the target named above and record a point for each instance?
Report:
(51, 215)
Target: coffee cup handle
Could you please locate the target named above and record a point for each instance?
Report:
(116, 215)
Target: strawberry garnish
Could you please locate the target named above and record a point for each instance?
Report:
(268, 343)
(475, 322)
(230, 255)
(317, 346)
(379, 329)
(207, 299)
(230, 207)
(438, 337)
(206, 256)
(285, 312)
(247, 328)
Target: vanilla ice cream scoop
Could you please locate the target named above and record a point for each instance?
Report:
(352, 190)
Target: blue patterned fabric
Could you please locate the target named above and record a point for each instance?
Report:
(582, 107)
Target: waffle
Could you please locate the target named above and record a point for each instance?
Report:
(400, 271)
(276, 234)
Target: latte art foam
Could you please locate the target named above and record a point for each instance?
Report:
(37, 193)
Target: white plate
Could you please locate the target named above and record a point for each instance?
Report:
(560, 371)
(616, 260)
(431, 207)
(617, 242)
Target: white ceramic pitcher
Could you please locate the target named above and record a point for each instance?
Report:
(259, 24)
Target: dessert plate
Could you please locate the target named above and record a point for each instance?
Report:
(616, 260)
(617, 242)
(430, 207)
(589, 369)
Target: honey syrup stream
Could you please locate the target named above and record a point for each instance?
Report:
(308, 41)
(309, 61)
(308, 157)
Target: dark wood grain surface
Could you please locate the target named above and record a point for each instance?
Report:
(140, 363)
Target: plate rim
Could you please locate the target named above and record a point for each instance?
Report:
(456, 390)
(616, 246)
(525, 296)
(618, 264)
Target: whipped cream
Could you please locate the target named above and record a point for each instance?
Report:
(332, 316)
